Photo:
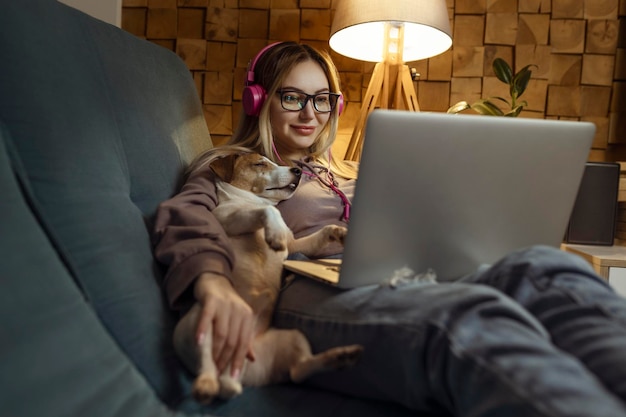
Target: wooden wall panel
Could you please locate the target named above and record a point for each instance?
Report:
(580, 57)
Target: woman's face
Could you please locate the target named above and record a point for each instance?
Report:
(295, 131)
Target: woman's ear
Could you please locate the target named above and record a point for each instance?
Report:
(224, 167)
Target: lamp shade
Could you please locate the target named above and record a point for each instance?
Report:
(358, 28)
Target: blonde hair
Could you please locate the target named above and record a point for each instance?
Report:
(270, 70)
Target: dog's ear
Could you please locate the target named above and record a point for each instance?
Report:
(224, 167)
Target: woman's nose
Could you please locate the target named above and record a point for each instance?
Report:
(307, 111)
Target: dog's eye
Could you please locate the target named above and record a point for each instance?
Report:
(260, 164)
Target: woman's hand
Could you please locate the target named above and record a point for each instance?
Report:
(231, 319)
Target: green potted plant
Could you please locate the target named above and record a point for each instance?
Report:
(517, 85)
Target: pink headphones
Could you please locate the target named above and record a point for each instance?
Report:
(254, 95)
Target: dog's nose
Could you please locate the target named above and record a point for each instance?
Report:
(296, 171)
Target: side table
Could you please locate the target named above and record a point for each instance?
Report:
(608, 261)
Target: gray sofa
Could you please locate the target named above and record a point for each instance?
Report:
(96, 127)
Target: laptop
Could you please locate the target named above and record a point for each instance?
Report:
(449, 193)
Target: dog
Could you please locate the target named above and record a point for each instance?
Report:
(249, 186)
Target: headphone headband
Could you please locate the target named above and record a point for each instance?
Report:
(250, 72)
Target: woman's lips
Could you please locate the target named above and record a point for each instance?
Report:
(304, 130)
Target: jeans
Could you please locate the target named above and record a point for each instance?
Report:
(537, 334)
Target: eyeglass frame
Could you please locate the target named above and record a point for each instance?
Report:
(307, 98)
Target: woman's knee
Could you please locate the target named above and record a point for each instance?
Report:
(539, 264)
(543, 259)
(540, 275)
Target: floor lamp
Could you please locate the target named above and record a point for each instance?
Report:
(389, 33)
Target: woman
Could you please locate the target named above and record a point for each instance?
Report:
(537, 334)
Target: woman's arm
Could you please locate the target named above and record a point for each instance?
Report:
(189, 240)
(193, 246)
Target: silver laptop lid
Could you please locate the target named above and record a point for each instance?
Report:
(452, 192)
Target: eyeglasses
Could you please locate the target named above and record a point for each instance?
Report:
(296, 101)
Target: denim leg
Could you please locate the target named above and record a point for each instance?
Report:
(454, 348)
(583, 315)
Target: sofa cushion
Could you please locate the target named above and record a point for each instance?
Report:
(291, 400)
(57, 359)
(95, 123)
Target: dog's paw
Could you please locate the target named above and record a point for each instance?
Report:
(335, 233)
(277, 233)
(277, 237)
(345, 356)
(205, 388)
(229, 387)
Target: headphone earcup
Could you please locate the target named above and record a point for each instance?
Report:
(252, 98)
(340, 104)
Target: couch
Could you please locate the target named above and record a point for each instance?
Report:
(96, 127)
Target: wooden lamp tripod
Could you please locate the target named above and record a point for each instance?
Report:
(391, 87)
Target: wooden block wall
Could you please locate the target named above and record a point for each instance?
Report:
(576, 45)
